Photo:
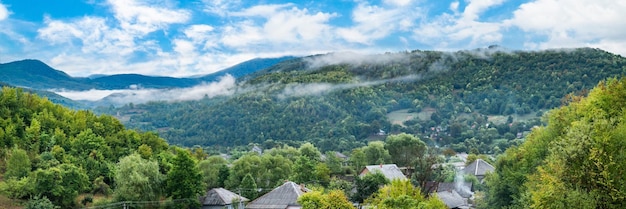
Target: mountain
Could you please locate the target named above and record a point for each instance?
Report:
(35, 74)
(124, 81)
(245, 68)
(472, 100)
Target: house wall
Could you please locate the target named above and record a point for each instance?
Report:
(294, 207)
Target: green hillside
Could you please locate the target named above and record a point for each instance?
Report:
(339, 101)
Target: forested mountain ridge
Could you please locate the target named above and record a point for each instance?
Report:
(35, 74)
(338, 101)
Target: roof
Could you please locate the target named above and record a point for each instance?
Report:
(478, 168)
(462, 188)
(280, 197)
(391, 171)
(452, 199)
(221, 196)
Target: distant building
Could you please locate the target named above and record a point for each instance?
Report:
(220, 198)
(257, 149)
(478, 168)
(282, 197)
(390, 171)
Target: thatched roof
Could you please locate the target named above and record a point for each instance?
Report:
(221, 196)
(280, 197)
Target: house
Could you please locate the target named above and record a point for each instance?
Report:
(282, 197)
(478, 168)
(390, 171)
(452, 199)
(219, 198)
(257, 149)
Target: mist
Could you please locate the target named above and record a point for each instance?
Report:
(354, 59)
(224, 86)
(315, 89)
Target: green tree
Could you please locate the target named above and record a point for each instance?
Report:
(184, 181)
(405, 148)
(367, 185)
(137, 179)
(247, 164)
(210, 169)
(302, 170)
(40, 203)
(333, 162)
(275, 169)
(61, 184)
(402, 194)
(375, 153)
(248, 187)
(18, 165)
(311, 152)
(334, 199)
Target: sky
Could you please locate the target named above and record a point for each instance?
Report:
(196, 37)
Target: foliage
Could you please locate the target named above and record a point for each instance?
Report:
(405, 148)
(402, 194)
(61, 184)
(367, 185)
(463, 92)
(137, 179)
(184, 181)
(18, 165)
(210, 169)
(575, 161)
(248, 187)
(334, 199)
(40, 203)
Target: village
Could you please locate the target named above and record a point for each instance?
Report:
(459, 193)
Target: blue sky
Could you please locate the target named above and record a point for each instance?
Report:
(183, 38)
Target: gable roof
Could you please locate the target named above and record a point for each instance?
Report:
(391, 171)
(452, 199)
(221, 196)
(478, 168)
(280, 197)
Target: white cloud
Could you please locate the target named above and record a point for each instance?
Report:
(563, 23)
(220, 7)
(225, 86)
(4, 12)
(461, 30)
(140, 17)
(280, 25)
(373, 22)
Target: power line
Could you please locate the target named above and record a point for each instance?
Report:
(126, 204)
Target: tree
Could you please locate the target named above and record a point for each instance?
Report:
(357, 159)
(137, 179)
(334, 199)
(248, 187)
(402, 194)
(309, 151)
(405, 148)
(375, 153)
(275, 169)
(247, 164)
(60, 184)
(184, 181)
(368, 184)
(40, 203)
(210, 169)
(333, 162)
(303, 169)
(18, 165)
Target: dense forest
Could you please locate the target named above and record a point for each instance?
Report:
(480, 101)
(60, 158)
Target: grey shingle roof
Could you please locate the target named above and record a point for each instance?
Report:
(221, 196)
(452, 199)
(280, 197)
(478, 168)
(391, 171)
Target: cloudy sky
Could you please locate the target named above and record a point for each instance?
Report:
(182, 38)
